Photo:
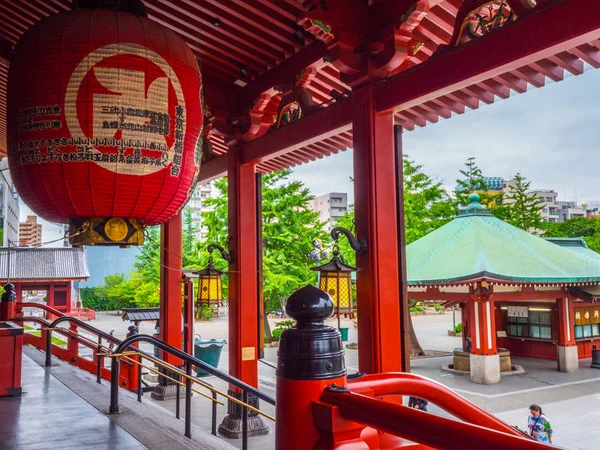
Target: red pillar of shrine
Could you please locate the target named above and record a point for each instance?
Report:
(243, 290)
(567, 352)
(484, 359)
(380, 293)
(171, 272)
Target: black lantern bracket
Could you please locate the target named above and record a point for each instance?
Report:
(359, 245)
(226, 256)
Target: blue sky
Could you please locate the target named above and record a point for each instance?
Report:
(551, 135)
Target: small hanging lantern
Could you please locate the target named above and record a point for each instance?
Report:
(210, 282)
(335, 279)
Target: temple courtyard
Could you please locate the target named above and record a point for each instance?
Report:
(570, 400)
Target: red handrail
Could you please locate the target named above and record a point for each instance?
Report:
(421, 427)
(410, 384)
(56, 312)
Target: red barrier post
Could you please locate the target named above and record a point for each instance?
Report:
(310, 358)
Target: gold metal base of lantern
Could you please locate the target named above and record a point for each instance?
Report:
(106, 231)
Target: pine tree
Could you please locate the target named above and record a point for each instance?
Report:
(523, 208)
(473, 181)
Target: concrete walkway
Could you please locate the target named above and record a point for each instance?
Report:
(50, 416)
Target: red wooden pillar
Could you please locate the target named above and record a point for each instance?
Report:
(379, 290)
(170, 284)
(50, 296)
(243, 344)
(171, 272)
(567, 352)
(484, 359)
(188, 316)
(68, 310)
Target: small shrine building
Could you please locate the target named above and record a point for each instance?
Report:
(517, 292)
(44, 269)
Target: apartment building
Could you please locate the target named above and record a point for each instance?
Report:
(9, 208)
(30, 232)
(331, 207)
(197, 205)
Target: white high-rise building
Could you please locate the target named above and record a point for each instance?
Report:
(9, 207)
(196, 206)
(331, 207)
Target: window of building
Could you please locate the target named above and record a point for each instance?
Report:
(537, 325)
(587, 322)
(549, 199)
(545, 210)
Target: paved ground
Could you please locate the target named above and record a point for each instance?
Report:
(41, 418)
(571, 401)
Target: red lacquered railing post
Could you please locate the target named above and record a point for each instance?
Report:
(8, 306)
(310, 358)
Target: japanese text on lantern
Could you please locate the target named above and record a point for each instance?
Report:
(135, 125)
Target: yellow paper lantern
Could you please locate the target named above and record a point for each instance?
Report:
(210, 286)
(335, 279)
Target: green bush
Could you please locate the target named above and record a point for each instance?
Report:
(416, 309)
(285, 324)
(277, 333)
(458, 328)
(206, 312)
(438, 307)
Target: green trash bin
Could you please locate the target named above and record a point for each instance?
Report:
(344, 332)
(208, 352)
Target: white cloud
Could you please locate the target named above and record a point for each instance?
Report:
(550, 135)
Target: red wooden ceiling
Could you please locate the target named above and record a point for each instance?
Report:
(257, 36)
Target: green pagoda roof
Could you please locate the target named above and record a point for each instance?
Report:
(476, 245)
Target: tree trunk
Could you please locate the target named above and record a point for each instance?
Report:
(415, 347)
(268, 333)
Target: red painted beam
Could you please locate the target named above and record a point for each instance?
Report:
(557, 28)
(310, 129)
(213, 169)
(285, 71)
(589, 54)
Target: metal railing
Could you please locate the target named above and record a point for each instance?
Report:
(177, 376)
(126, 353)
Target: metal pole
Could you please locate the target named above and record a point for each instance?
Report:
(48, 348)
(114, 386)
(214, 414)
(245, 421)
(100, 361)
(188, 400)
(177, 399)
(139, 380)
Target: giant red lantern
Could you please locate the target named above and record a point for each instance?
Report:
(104, 122)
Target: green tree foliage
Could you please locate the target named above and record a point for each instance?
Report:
(427, 206)
(520, 207)
(473, 181)
(289, 228)
(589, 229)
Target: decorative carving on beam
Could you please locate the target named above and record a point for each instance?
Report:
(398, 46)
(484, 20)
(262, 115)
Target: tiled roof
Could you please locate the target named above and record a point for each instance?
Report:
(576, 245)
(43, 264)
(478, 245)
(140, 314)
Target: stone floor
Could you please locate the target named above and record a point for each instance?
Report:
(571, 401)
(50, 416)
